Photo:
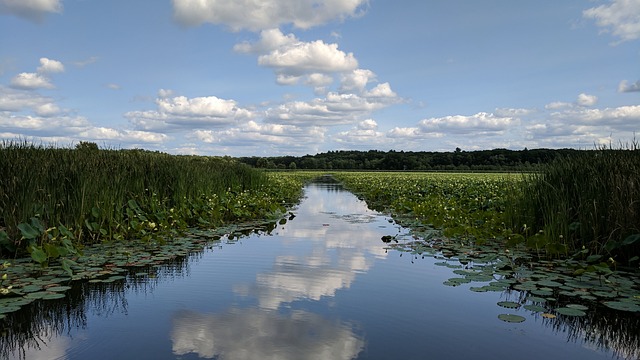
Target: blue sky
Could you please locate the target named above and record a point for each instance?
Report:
(295, 77)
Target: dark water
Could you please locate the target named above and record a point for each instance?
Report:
(321, 286)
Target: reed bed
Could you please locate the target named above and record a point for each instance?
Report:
(588, 202)
(83, 195)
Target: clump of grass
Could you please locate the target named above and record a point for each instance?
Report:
(83, 195)
(587, 202)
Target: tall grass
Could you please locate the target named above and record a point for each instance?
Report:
(109, 193)
(587, 202)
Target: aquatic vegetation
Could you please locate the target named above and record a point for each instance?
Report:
(53, 201)
(587, 204)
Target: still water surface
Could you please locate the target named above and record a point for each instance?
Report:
(321, 286)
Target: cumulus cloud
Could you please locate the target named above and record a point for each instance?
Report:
(173, 113)
(334, 109)
(300, 58)
(256, 15)
(50, 66)
(587, 100)
(626, 87)
(33, 10)
(15, 100)
(31, 81)
(365, 133)
(479, 124)
(356, 80)
(621, 18)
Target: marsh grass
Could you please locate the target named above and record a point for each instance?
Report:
(588, 202)
(85, 195)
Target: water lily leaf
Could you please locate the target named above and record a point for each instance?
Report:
(511, 318)
(9, 309)
(622, 306)
(53, 296)
(59, 288)
(570, 312)
(548, 316)
(509, 304)
(578, 306)
(534, 308)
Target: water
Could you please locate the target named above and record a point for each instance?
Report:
(322, 286)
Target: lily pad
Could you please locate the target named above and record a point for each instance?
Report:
(53, 296)
(534, 308)
(509, 304)
(622, 306)
(578, 306)
(511, 318)
(570, 312)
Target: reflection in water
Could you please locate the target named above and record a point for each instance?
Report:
(257, 334)
(310, 290)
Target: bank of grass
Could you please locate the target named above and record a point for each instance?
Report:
(55, 200)
(587, 203)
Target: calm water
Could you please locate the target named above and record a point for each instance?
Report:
(321, 286)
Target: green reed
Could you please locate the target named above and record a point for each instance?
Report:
(588, 202)
(86, 194)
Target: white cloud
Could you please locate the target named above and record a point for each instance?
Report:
(557, 105)
(334, 109)
(50, 66)
(364, 133)
(381, 91)
(479, 124)
(127, 136)
(47, 109)
(258, 15)
(182, 112)
(16, 100)
(620, 17)
(412, 133)
(587, 100)
(34, 10)
(113, 86)
(31, 81)
(270, 40)
(626, 87)
(308, 57)
(356, 80)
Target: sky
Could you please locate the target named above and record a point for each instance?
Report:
(296, 77)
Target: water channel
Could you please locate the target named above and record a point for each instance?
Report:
(321, 286)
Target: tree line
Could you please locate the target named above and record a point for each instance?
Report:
(457, 160)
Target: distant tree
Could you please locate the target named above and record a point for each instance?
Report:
(87, 146)
(292, 165)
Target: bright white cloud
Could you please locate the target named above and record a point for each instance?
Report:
(308, 57)
(182, 112)
(50, 66)
(15, 100)
(258, 15)
(626, 87)
(587, 100)
(480, 123)
(34, 10)
(364, 133)
(334, 109)
(356, 80)
(270, 40)
(118, 135)
(31, 81)
(621, 18)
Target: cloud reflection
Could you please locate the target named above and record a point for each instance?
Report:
(256, 334)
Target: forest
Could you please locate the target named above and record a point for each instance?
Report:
(457, 160)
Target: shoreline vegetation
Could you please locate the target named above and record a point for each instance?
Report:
(580, 206)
